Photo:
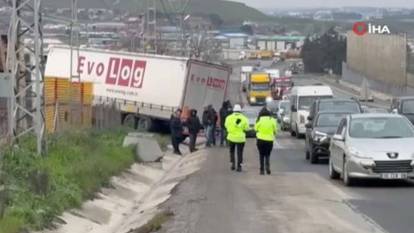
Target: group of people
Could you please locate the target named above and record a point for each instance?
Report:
(266, 128)
(233, 127)
(190, 127)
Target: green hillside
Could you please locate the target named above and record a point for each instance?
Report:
(229, 12)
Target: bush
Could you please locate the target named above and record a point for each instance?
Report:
(78, 164)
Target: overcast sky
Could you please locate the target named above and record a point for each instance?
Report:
(326, 3)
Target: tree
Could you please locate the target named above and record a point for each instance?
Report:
(247, 28)
(324, 52)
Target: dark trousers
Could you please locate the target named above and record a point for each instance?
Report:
(193, 139)
(265, 150)
(175, 141)
(213, 135)
(239, 147)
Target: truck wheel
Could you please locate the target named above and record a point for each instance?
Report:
(145, 123)
(292, 133)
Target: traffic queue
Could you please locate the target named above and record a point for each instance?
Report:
(359, 143)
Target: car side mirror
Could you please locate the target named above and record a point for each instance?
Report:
(310, 118)
(308, 125)
(293, 109)
(338, 137)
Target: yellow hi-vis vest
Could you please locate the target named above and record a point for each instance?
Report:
(266, 128)
(236, 132)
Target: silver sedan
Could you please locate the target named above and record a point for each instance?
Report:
(372, 146)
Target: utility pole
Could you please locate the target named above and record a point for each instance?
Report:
(150, 33)
(27, 103)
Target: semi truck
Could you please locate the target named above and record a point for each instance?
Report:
(150, 87)
(259, 88)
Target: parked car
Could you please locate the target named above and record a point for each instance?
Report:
(372, 146)
(251, 114)
(319, 134)
(404, 106)
(334, 105)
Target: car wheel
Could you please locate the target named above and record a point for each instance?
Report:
(348, 181)
(332, 173)
(314, 158)
(292, 133)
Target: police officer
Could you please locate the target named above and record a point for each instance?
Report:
(236, 125)
(266, 131)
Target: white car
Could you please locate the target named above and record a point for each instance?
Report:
(372, 146)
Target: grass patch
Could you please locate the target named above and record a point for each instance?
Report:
(155, 224)
(78, 164)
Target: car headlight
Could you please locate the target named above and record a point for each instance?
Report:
(269, 99)
(286, 119)
(319, 136)
(359, 155)
(252, 99)
(367, 163)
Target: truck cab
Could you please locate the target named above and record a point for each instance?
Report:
(259, 89)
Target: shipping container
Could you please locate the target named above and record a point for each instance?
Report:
(150, 86)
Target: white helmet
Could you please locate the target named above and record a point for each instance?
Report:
(237, 108)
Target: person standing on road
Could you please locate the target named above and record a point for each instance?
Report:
(194, 126)
(214, 118)
(177, 130)
(225, 111)
(266, 131)
(236, 125)
(206, 123)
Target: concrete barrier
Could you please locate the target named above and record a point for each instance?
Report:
(148, 150)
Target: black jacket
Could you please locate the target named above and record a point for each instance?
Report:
(176, 127)
(224, 113)
(206, 118)
(194, 125)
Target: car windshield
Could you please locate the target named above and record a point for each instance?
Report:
(408, 107)
(329, 119)
(305, 102)
(381, 127)
(343, 106)
(260, 87)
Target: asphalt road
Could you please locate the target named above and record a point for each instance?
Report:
(388, 203)
(297, 198)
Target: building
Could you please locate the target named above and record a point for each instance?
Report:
(279, 43)
(233, 40)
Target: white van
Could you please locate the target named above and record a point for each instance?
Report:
(301, 99)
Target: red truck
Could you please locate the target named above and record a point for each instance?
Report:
(281, 86)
